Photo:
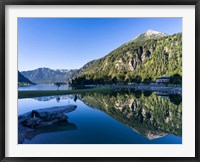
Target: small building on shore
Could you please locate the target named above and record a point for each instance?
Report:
(163, 79)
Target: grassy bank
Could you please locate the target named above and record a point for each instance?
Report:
(29, 94)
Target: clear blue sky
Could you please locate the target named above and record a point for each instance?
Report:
(69, 43)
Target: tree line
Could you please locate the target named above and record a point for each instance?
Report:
(175, 79)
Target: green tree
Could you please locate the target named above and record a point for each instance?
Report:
(147, 80)
(176, 79)
(137, 79)
(58, 84)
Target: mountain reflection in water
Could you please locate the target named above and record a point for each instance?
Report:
(152, 115)
(147, 113)
(48, 98)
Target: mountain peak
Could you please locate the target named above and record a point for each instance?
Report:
(152, 32)
(149, 34)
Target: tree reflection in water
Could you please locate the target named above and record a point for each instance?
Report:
(147, 113)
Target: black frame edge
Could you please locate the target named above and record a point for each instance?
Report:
(197, 79)
(101, 2)
(3, 3)
(100, 159)
(2, 81)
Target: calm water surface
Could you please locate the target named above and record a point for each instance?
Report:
(43, 87)
(117, 118)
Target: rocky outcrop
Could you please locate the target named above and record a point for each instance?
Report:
(41, 118)
(141, 55)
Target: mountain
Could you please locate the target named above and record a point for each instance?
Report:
(76, 73)
(22, 80)
(147, 57)
(149, 34)
(48, 76)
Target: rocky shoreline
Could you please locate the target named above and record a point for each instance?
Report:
(153, 88)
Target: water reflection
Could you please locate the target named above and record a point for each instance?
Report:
(153, 115)
(45, 98)
(58, 98)
(43, 87)
(25, 133)
(147, 113)
(58, 127)
(75, 98)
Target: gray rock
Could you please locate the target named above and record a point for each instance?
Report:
(24, 117)
(49, 114)
(63, 118)
(32, 122)
(41, 118)
(48, 123)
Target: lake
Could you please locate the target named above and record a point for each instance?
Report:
(110, 118)
(43, 87)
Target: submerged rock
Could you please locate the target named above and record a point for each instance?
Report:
(41, 118)
(57, 127)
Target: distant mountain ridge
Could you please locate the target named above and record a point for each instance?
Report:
(22, 80)
(76, 73)
(48, 76)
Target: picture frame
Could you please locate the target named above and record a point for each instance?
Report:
(3, 91)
